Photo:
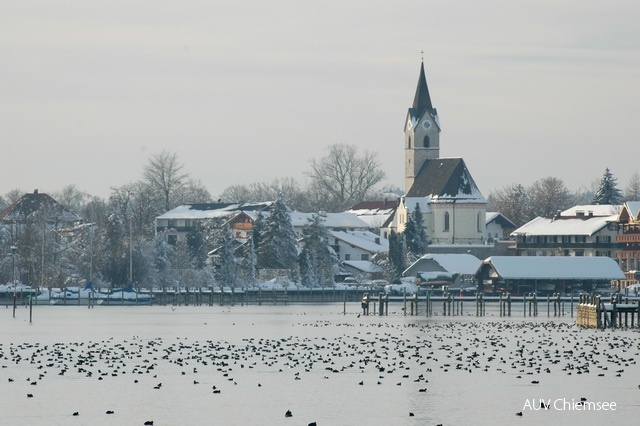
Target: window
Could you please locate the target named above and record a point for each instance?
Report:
(478, 221)
(347, 257)
(425, 141)
(446, 221)
(364, 256)
(409, 142)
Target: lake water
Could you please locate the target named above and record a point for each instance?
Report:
(161, 364)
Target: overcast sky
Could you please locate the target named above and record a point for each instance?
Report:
(247, 91)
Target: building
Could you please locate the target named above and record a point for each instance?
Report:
(628, 253)
(499, 227)
(178, 222)
(588, 230)
(453, 207)
(545, 275)
(448, 268)
(357, 245)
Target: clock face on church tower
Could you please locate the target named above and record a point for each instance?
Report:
(426, 124)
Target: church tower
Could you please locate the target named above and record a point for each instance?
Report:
(421, 132)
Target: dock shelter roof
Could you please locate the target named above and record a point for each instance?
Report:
(554, 267)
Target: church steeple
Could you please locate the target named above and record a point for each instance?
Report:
(422, 100)
(421, 132)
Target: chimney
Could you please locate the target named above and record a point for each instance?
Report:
(35, 191)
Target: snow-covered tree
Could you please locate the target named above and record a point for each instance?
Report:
(278, 242)
(608, 192)
(317, 263)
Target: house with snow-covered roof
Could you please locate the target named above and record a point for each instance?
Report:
(499, 227)
(357, 245)
(178, 222)
(546, 274)
(445, 267)
(375, 212)
(453, 208)
(628, 239)
(579, 231)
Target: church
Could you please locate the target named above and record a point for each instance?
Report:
(453, 208)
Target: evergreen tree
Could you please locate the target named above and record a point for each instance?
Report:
(307, 272)
(317, 263)
(397, 256)
(257, 231)
(277, 247)
(415, 235)
(608, 192)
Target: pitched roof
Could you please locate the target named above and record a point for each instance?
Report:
(212, 210)
(35, 202)
(592, 210)
(364, 240)
(631, 211)
(555, 267)
(445, 179)
(464, 263)
(586, 225)
(500, 219)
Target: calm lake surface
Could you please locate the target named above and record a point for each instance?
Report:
(248, 365)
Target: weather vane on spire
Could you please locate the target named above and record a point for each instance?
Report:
(422, 54)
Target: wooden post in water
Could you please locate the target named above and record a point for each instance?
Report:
(404, 300)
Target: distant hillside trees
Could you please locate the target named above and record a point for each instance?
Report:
(608, 192)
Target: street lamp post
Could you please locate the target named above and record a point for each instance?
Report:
(13, 275)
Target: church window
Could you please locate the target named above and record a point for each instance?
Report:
(446, 221)
(479, 222)
(426, 141)
(409, 142)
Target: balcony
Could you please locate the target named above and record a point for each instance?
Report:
(628, 238)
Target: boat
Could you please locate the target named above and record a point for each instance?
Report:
(71, 295)
(126, 296)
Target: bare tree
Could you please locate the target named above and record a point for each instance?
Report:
(13, 195)
(343, 178)
(290, 190)
(194, 192)
(163, 173)
(513, 201)
(548, 195)
(72, 198)
(632, 193)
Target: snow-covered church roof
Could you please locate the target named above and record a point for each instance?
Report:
(445, 180)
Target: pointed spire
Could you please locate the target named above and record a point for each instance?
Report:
(422, 100)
